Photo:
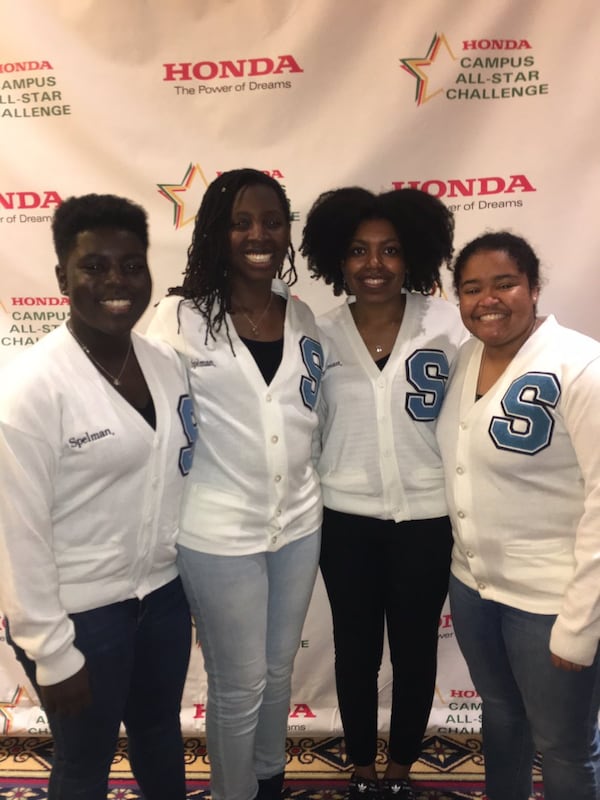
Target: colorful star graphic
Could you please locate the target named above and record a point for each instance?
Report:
(6, 705)
(186, 195)
(439, 50)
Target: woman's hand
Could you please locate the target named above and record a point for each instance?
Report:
(562, 663)
(70, 696)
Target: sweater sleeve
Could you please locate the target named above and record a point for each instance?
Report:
(576, 632)
(29, 591)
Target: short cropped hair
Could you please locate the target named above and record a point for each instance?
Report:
(92, 211)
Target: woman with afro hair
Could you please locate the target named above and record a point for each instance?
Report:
(386, 543)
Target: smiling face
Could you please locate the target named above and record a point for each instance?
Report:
(497, 304)
(107, 280)
(259, 236)
(374, 268)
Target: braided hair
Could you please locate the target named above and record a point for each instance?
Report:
(206, 281)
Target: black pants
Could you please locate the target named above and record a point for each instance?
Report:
(375, 571)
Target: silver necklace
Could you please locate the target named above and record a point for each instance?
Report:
(254, 325)
(116, 381)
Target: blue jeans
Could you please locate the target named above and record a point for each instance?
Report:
(527, 703)
(137, 654)
(249, 613)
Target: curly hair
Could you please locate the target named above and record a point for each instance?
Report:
(92, 211)
(517, 248)
(423, 224)
(206, 281)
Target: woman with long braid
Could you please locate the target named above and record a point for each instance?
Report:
(250, 525)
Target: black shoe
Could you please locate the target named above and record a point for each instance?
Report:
(399, 789)
(362, 789)
(270, 788)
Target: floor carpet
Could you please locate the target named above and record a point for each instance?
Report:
(450, 768)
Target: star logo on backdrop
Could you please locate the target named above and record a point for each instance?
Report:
(430, 70)
(6, 706)
(185, 196)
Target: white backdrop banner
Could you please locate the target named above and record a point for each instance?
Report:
(493, 107)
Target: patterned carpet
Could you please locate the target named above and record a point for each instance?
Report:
(449, 768)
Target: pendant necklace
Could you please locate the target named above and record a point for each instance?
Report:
(116, 381)
(254, 325)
